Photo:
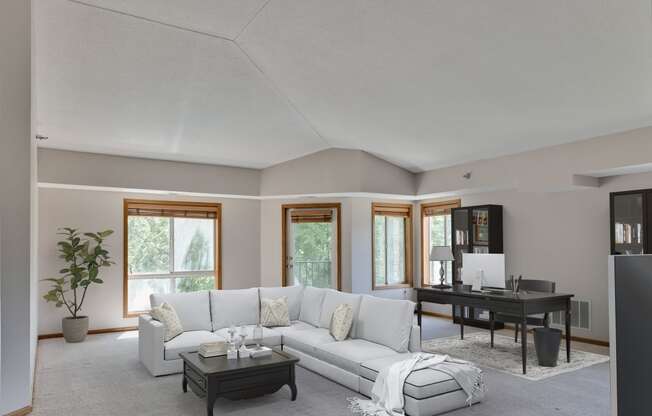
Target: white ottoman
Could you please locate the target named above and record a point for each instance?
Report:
(427, 392)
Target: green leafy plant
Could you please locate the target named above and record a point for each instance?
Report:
(85, 256)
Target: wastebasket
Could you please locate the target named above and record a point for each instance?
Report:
(547, 342)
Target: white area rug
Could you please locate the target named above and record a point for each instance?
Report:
(506, 355)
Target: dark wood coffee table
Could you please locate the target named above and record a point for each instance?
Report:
(237, 379)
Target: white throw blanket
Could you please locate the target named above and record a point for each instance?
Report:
(387, 393)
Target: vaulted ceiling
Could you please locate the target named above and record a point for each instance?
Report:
(420, 83)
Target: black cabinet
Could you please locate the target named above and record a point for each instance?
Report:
(476, 229)
(631, 216)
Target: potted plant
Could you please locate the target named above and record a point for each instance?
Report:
(85, 256)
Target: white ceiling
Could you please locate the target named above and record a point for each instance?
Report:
(420, 83)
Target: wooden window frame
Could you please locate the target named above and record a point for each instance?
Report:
(189, 206)
(284, 215)
(409, 278)
(425, 249)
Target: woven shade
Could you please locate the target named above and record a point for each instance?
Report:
(311, 215)
(439, 209)
(154, 210)
(392, 211)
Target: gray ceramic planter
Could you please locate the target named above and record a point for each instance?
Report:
(75, 330)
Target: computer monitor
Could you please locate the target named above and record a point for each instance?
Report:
(490, 266)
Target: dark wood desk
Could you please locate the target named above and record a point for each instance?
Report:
(521, 304)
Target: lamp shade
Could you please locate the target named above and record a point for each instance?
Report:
(441, 253)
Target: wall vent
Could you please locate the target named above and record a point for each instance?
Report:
(580, 315)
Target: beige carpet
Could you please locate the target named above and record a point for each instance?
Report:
(506, 355)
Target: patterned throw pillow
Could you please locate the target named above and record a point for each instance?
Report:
(169, 318)
(274, 312)
(341, 322)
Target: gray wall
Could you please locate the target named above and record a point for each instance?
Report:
(95, 210)
(90, 169)
(15, 171)
(336, 171)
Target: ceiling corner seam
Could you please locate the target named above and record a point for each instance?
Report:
(260, 9)
(147, 19)
(281, 94)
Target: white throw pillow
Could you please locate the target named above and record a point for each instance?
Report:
(293, 293)
(234, 307)
(332, 300)
(169, 318)
(192, 308)
(311, 305)
(274, 312)
(385, 321)
(341, 322)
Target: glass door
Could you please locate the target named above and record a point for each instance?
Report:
(628, 226)
(312, 246)
(461, 239)
(480, 235)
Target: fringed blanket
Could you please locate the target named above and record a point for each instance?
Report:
(387, 393)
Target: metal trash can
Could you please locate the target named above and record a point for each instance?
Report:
(547, 342)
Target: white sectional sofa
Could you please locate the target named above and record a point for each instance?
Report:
(383, 332)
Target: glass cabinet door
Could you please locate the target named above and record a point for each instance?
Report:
(628, 231)
(461, 239)
(480, 230)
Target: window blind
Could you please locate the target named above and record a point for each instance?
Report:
(168, 210)
(439, 208)
(392, 210)
(311, 215)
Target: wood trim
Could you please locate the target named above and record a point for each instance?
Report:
(20, 412)
(405, 211)
(284, 211)
(424, 247)
(92, 332)
(217, 234)
(511, 327)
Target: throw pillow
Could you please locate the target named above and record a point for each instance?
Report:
(274, 312)
(341, 322)
(169, 318)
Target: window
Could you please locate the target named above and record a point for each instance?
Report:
(391, 245)
(169, 247)
(311, 245)
(435, 231)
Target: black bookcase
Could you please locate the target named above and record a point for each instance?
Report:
(476, 229)
(631, 221)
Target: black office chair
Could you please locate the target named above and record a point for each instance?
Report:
(529, 285)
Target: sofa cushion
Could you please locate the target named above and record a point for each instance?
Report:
(311, 305)
(166, 315)
(188, 342)
(234, 307)
(420, 384)
(193, 308)
(271, 337)
(341, 322)
(332, 299)
(307, 340)
(293, 293)
(274, 312)
(385, 321)
(350, 353)
(294, 326)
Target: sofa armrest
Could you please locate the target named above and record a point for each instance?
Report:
(415, 339)
(151, 343)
